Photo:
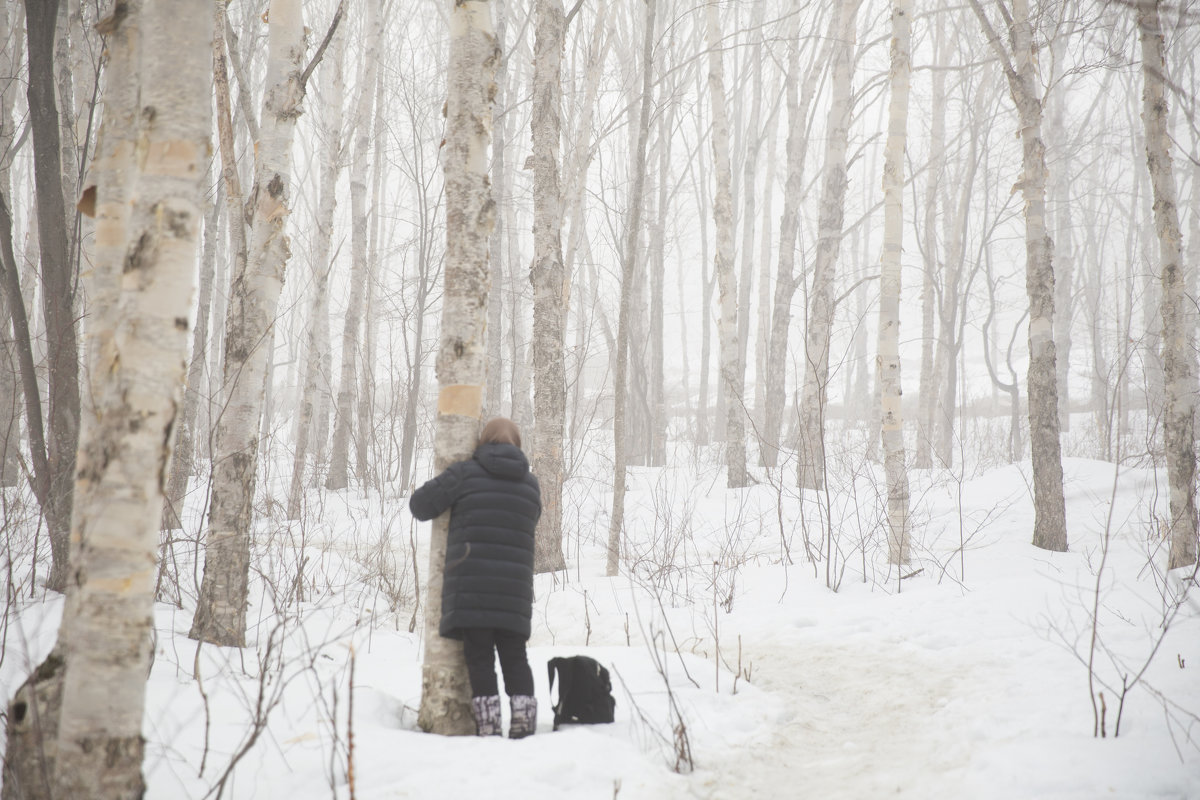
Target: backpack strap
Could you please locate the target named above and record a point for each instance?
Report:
(564, 687)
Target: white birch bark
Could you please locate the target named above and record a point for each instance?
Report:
(182, 460)
(628, 260)
(366, 394)
(1178, 309)
(658, 273)
(235, 220)
(927, 386)
(810, 473)
(763, 322)
(494, 399)
(756, 134)
(549, 284)
(892, 417)
(339, 461)
(462, 356)
(333, 93)
(731, 375)
(221, 611)
(126, 445)
(1064, 254)
(1050, 528)
(35, 712)
(799, 100)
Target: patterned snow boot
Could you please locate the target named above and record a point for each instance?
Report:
(487, 715)
(524, 716)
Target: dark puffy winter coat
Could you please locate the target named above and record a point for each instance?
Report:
(494, 502)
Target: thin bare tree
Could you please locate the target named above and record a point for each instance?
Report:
(1020, 68)
(549, 284)
(220, 616)
(731, 373)
(888, 359)
(629, 257)
(1178, 309)
(810, 470)
(339, 466)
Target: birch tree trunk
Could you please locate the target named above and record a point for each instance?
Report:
(658, 274)
(1050, 527)
(756, 133)
(799, 99)
(126, 446)
(549, 285)
(235, 218)
(64, 41)
(58, 284)
(1064, 268)
(10, 416)
(1178, 310)
(949, 340)
(366, 394)
(762, 327)
(892, 417)
(810, 472)
(927, 388)
(731, 375)
(628, 260)
(494, 399)
(333, 92)
(462, 354)
(339, 462)
(35, 711)
(182, 460)
(221, 611)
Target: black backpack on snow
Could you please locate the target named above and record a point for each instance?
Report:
(584, 691)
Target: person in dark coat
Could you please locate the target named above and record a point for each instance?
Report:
(487, 585)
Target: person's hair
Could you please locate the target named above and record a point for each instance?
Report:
(500, 430)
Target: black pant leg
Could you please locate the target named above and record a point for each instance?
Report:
(479, 652)
(514, 663)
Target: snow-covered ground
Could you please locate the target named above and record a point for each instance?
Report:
(745, 663)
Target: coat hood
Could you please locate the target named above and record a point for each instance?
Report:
(502, 460)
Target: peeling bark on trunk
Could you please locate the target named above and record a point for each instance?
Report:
(126, 445)
(462, 354)
(1178, 309)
